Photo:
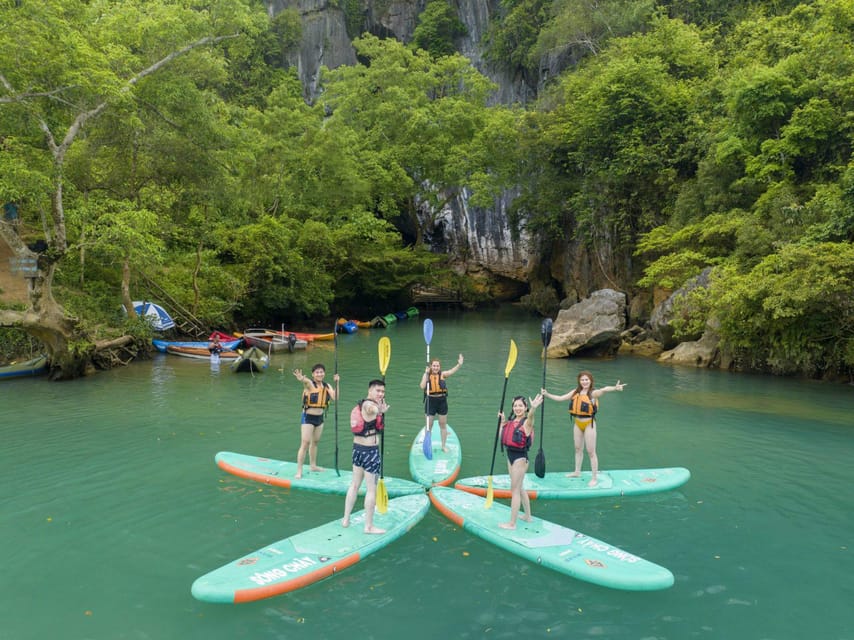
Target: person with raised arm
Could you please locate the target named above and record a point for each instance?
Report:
(517, 436)
(436, 395)
(366, 422)
(316, 396)
(583, 404)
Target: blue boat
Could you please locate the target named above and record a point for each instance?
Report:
(33, 367)
(347, 326)
(161, 345)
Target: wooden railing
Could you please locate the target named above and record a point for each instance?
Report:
(422, 294)
(188, 323)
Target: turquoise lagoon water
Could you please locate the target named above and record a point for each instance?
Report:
(112, 504)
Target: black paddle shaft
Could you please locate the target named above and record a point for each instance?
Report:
(337, 391)
(498, 427)
(540, 462)
(546, 333)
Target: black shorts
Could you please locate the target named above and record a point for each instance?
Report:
(308, 418)
(514, 454)
(436, 405)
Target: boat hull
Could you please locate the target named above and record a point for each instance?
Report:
(198, 353)
(253, 360)
(273, 343)
(35, 366)
(161, 345)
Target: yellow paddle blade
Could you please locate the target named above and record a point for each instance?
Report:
(490, 494)
(382, 497)
(511, 359)
(384, 352)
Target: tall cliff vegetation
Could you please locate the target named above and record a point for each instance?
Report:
(155, 137)
(723, 143)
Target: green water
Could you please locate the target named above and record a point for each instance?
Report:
(112, 504)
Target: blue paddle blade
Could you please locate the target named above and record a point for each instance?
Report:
(428, 444)
(428, 331)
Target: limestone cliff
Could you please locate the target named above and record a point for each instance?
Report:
(478, 241)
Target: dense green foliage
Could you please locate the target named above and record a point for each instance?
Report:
(681, 136)
(438, 27)
(725, 143)
(213, 176)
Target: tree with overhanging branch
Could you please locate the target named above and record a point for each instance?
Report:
(63, 65)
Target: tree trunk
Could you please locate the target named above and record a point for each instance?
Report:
(67, 346)
(126, 299)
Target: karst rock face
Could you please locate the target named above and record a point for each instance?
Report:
(478, 241)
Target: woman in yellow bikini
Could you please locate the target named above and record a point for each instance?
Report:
(583, 403)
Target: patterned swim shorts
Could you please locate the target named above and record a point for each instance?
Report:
(367, 457)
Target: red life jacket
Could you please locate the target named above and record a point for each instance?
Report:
(513, 435)
(360, 427)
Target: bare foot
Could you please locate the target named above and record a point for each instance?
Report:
(593, 483)
(574, 474)
(374, 530)
(345, 522)
(298, 475)
(527, 518)
(507, 525)
(445, 449)
(317, 469)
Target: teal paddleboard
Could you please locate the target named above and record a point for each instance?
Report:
(551, 545)
(444, 467)
(281, 474)
(558, 485)
(305, 558)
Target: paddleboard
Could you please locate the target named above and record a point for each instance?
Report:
(305, 558)
(280, 473)
(443, 469)
(625, 482)
(551, 545)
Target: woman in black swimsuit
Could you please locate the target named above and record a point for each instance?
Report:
(517, 435)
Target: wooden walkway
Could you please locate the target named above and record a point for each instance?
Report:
(429, 296)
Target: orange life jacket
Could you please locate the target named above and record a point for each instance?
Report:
(436, 385)
(316, 398)
(583, 406)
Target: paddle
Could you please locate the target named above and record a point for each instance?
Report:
(428, 436)
(335, 339)
(511, 361)
(540, 461)
(384, 352)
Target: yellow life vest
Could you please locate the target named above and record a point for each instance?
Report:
(582, 406)
(317, 398)
(436, 385)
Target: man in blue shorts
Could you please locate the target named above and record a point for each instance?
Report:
(366, 422)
